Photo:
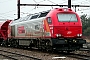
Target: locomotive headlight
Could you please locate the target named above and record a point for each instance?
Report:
(58, 35)
(79, 35)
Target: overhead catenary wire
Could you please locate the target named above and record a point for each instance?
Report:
(82, 2)
(29, 10)
(35, 7)
(43, 1)
(87, 1)
(39, 1)
(51, 1)
(83, 9)
(53, 4)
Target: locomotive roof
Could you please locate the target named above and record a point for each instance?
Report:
(33, 16)
(36, 15)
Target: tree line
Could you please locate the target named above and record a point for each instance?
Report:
(86, 25)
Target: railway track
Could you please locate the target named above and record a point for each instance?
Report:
(16, 56)
(79, 56)
(83, 54)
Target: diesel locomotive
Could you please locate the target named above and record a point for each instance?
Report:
(58, 29)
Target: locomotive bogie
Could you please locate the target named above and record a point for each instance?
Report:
(64, 44)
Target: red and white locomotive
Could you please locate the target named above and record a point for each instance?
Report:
(60, 29)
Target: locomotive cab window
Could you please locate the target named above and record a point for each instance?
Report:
(34, 16)
(67, 18)
(43, 14)
(49, 20)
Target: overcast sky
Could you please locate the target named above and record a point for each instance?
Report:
(8, 8)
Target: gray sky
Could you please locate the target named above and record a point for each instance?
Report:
(8, 8)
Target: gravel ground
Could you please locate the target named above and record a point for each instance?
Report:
(2, 58)
(87, 40)
(39, 54)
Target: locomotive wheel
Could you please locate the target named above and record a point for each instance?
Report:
(1, 40)
(5, 43)
(13, 43)
(48, 46)
(42, 45)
